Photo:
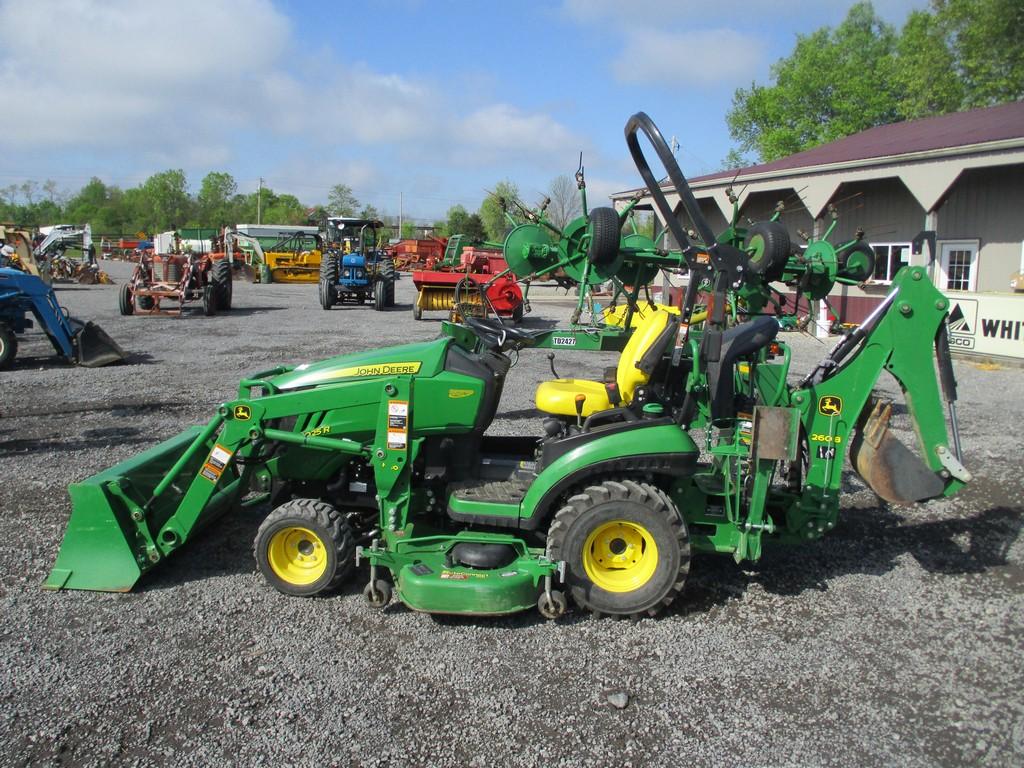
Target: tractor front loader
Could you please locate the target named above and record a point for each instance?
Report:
(384, 456)
(23, 294)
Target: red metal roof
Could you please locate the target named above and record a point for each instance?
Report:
(976, 126)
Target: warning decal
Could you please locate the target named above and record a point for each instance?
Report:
(214, 466)
(398, 424)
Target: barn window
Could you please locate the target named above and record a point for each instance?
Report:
(889, 259)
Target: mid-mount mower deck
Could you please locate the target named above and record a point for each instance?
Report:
(384, 456)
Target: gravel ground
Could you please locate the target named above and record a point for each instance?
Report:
(895, 640)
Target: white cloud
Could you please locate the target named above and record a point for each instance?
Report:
(506, 133)
(152, 75)
(704, 57)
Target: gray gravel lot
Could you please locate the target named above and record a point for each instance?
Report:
(895, 640)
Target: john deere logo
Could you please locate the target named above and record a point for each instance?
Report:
(243, 412)
(830, 405)
(454, 394)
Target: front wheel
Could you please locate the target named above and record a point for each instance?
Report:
(379, 296)
(209, 300)
(304, 547)
(125, 300)
(326, 294)
(8, 347)
(625, 546)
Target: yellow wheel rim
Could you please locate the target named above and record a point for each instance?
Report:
(620, 556)
(297, 555)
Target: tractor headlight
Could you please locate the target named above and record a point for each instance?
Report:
(359, 274)
(346, 273)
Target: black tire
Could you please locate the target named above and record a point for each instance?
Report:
(146, 302)
(8, 347)
(387, 271)
(769, 246)
(326, 294)
(378, 593)
(125, 299)
(605, 236)
(379, 295)
(863, 268)
(517, 313)
(282, 539)
(329, 267)
(622, 505)
(220, 275)
(209, 300)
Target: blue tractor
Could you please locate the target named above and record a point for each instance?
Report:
(352, 268)
(22, 294)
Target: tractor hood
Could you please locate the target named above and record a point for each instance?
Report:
(425, 359)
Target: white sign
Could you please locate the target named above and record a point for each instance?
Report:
(986, 325)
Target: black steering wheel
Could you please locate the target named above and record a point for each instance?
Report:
(497, 336)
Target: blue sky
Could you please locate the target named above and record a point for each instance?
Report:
(435, 101)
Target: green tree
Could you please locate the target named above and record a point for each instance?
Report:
(216, 200)
(341, 201)
(958, 55)
(986, 39)
(836, 82)
(166, 201)
(492, 209)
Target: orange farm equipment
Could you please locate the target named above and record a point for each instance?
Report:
(468, 280)
(174, 280)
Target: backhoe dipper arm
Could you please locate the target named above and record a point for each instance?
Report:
(836, 399)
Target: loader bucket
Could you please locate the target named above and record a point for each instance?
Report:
(118, 530)
(93, 347)
(889, 468)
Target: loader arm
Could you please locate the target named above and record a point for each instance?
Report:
(905, 336)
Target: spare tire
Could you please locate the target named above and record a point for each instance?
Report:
(768, 246)
(605, 235)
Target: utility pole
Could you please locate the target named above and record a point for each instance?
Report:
(259, 203)
(401, 212)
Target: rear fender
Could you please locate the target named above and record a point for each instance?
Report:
(661, 449)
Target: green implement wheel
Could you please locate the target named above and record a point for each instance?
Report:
(856, 261)
(768, 245)
(625, 546)
(8, 347)
(304, 547)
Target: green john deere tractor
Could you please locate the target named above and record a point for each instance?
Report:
(384, 456)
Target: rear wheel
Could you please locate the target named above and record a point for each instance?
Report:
(8, 347)
(387, 271)
(625, 546)
(304, 547)
(125, 300)
(328, 279)
(209, 299)
(220, 274)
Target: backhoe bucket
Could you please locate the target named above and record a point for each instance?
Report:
(93, 347)
(118, 530)
(890, 469)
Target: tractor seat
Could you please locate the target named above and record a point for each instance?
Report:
(636, 364)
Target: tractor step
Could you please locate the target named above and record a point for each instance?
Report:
(493, 502)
